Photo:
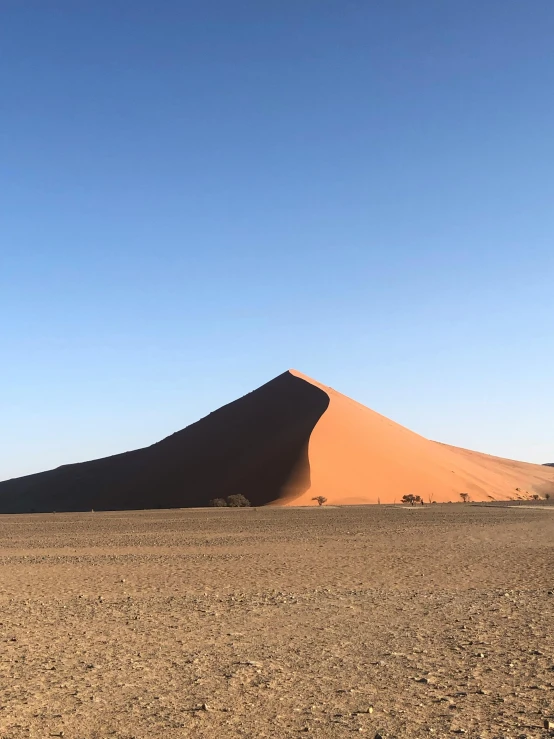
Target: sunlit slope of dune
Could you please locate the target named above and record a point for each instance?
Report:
(359, 456)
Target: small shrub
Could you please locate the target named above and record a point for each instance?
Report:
(320, 499)
(238, 501)
(218, 503)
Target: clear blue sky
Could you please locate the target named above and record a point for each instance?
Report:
(196, 196)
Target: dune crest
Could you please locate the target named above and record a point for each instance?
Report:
(285, 443)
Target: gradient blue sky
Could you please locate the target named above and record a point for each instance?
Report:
(195, 196)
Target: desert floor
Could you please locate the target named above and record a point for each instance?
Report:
(410, 622)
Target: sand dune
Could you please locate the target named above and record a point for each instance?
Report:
(288, 441)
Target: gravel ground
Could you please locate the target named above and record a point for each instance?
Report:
(403, 622)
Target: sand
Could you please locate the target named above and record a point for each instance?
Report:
(277, 622)
(358, 456)
(283, 444)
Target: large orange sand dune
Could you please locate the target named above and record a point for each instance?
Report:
(285, 443)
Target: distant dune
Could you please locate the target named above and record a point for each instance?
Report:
(283, 444)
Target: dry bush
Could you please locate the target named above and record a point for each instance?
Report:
(238, 501)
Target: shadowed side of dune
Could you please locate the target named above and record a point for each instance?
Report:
(257, 446)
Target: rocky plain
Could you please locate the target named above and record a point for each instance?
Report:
(385, 621)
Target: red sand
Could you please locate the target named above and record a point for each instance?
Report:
(359, 456)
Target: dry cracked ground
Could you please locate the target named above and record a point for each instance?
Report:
(402, 622)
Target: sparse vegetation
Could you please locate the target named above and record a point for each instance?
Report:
(320, 499)
(464, 497)
(238, 501)
(218, 503)
(535, 496)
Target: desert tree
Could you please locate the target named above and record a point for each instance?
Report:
(547, 496)
(464, 497)
(409, 498)
(320, 499)
(238, 501)
(218, 503)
